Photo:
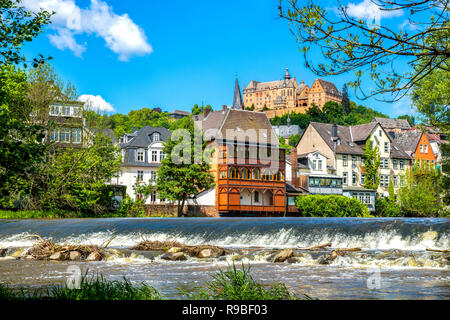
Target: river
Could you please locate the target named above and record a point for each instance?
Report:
(393, 263)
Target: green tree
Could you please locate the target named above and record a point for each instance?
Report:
(369, 49)
(345, 100)
(419, 197)
(371, 163)
(75, 179)
(294, 140)
(18, 26)
(19, 148)
(392, 196)
(411, 119)
(184, 179)
(196, 110)
(284, 145)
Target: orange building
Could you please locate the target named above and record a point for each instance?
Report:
(417, 145)
(248, 164)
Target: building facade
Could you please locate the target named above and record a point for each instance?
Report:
(142, 153)
(277, 98)
(248, 165)
(417, 145)
(343, 148)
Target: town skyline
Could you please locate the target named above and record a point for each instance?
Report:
(196, 44)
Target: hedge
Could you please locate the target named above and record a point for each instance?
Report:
(330, 206)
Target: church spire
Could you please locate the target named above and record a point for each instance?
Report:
(237, 100)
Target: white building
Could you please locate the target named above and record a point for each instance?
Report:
(142, 153)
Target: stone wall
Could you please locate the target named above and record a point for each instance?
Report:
(170, 210)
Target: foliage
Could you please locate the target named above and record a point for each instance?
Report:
(392, 196)
(18, 26)
(74, 179)
(284, 145)
(345, 100)
(294, 140)
(371, 163)
(330, 206)
(182, 181)
(19, 150)
(420, 195)
(384, 207)
(196, 110)
(130, 208)
(368, 48)
(332, 113)
(98, 288)
(237, 284)
(411, 119)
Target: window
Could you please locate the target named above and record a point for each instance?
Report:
(140, 176)
(65, 135)
(76, 111)
(153, 176)
(65, 110)
(402, 164)
(140, 156)
(154, 156)
(256, 196)
(314, 165)
(402, 181)
(395, 163)
(363, 161)
(384, 180)
(54, 136)
(363, 179)
(425, 148)
(395, 181)
(354, 178)
(345, 175)
(156, 137)
(223, 174)
(421, 148)
(54, 110)
(319, 164)
(345, 160)
(386, 147)
(153, 196)
(384, 163)
(256, 174)
(379, 133)
(76, 135)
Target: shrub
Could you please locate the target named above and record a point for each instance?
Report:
(130, 208)
(237, 284)
(387, 208)
(330, 206)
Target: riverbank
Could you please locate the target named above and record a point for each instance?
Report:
(61, 214)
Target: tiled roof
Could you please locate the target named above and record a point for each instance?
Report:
(216, 124)
(393, 123)
(408, 140)
(329, 87)
(351, 139)
(278, 84)
(144, 136)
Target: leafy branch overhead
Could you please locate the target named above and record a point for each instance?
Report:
(370, 49)
(18, 26)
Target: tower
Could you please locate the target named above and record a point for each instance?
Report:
(237, 100)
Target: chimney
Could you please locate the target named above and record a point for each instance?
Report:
(206, 112)
(334, 132)
(294, 167)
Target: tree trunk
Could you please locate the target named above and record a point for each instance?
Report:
(180, 208)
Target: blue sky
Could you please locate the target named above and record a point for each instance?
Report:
(173, 54)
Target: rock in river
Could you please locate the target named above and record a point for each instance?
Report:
(94, 256)
(283, 255)
(75, 255)
(178, 256)
(55, 256)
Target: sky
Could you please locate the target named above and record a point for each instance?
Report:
(128, 55)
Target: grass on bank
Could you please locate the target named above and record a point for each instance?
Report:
(61, 214)
(232, 284)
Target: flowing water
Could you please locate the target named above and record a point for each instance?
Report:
(393, 263)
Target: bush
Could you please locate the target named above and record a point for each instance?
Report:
(387, 208)
(237, 284)
(330, 206)
(130, 208)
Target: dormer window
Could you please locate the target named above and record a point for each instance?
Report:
(156, 137)
(140, 156)
(54, 110)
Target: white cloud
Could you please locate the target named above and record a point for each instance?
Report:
(96, 103)
(121, 34)
(64, 40)
(371, 12)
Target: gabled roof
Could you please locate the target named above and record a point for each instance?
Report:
(393, 123)
(351, 139)
(217, 123)
(143, 137)
(408, 140)
(329, 87)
